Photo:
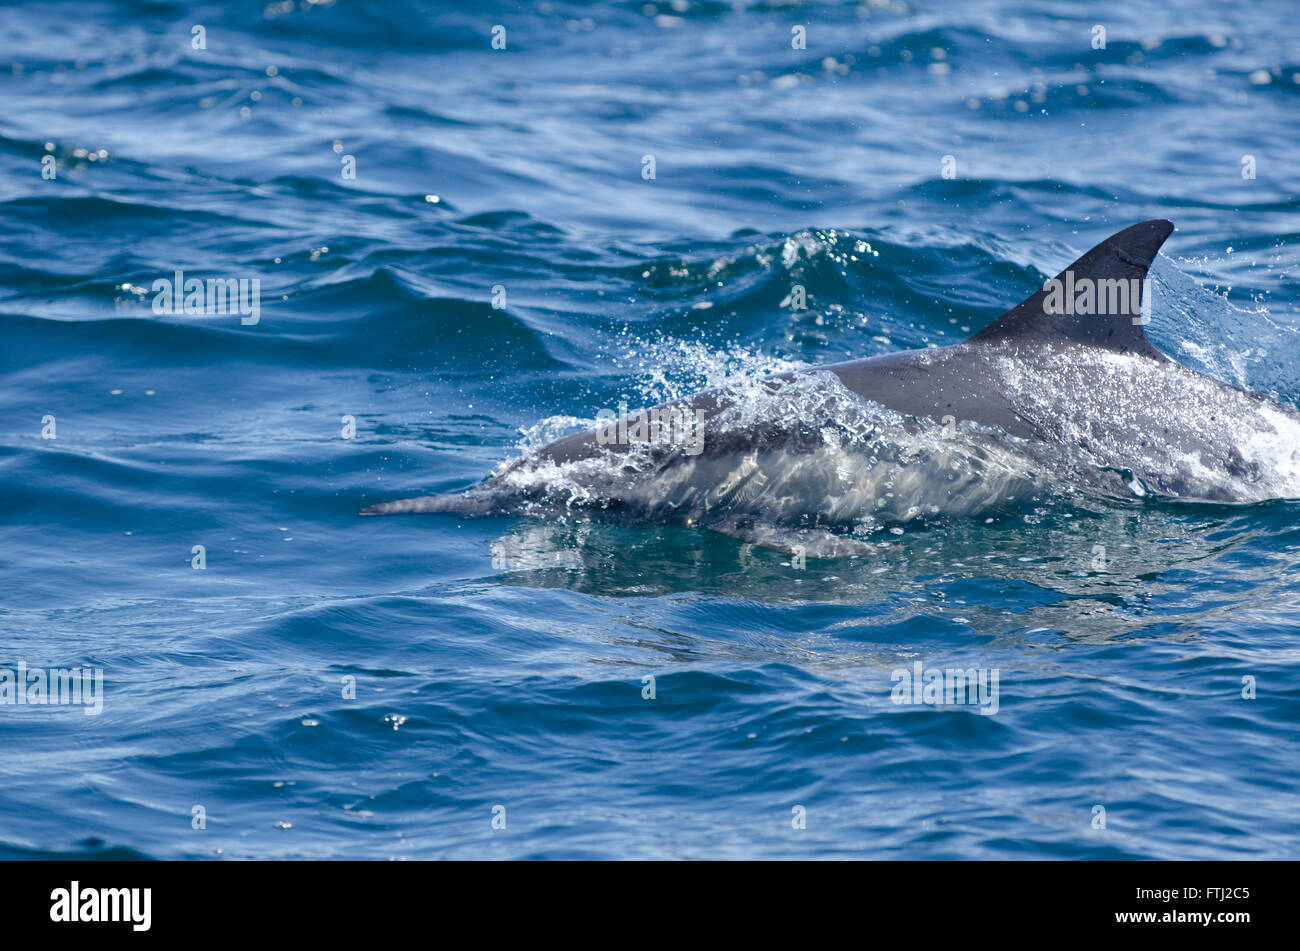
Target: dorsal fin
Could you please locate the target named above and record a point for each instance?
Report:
(1056, 314)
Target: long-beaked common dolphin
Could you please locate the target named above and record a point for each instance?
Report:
(1066, 380)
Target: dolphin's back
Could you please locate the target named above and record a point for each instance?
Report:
(945, 384)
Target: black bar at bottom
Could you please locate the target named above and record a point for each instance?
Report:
(332, 900)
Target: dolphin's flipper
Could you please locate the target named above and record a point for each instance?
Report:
(809, 542)
(1125, 256)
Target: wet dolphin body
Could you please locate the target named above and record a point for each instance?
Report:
(1070, 365)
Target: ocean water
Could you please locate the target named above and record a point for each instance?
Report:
(462, 251)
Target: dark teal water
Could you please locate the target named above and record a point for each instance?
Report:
(500, 662)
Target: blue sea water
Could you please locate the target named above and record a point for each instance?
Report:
(336, 686)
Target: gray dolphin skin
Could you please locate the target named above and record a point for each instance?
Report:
(1069, 367)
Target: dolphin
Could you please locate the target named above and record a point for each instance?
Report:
(1065, 381)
